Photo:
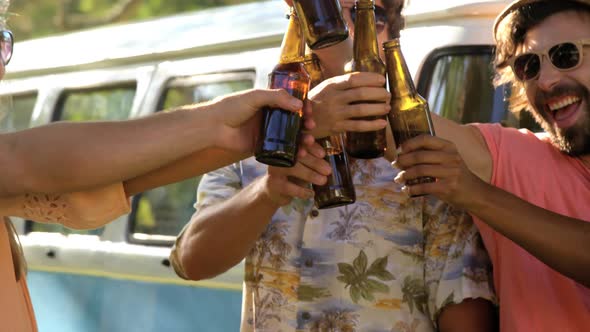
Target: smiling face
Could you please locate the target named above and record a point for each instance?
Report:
(560, 99)
(382, 27)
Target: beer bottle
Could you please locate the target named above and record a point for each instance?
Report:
(339, 188)
(280, 130)
(322, 21)
(409, 115)
(366, 58)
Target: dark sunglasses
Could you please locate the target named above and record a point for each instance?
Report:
(380, 18)
(563, 56)
(6, 45)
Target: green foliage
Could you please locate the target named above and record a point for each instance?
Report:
(38, 18)
(356, 276)
(414, 294)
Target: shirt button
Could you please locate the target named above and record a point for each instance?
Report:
(314, 213)
(305, 315)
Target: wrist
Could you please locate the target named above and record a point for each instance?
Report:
(267, 196)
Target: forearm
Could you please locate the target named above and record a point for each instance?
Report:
(561, 242)
(476, 315)
(220, 236)
(334, 58)
(77, 156)
(198, 163)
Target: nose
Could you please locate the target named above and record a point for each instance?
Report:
(549, 76)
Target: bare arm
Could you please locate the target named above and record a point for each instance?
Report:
(220, 236)
(196, 164)
(476, 315)
(469, 142)
(65, 157)
(561, 242)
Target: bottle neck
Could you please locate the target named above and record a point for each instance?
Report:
(313, 68)
(365, 35)
(293, 46)
(400, 80)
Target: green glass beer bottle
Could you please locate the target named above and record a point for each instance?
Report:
(409, 115)
(280, 130)
(339, 189)
(366, 58)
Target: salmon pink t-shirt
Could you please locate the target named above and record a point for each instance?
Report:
(533, 296)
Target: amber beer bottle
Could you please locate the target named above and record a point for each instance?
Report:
(366, 58)
(280, 130)
(322, 21)
(409, 115)
(339, 189)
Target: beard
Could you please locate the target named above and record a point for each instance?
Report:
(575, 140)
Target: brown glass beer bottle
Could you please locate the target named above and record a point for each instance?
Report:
(322, 22)
(280, 130)
(409, 115)
(339, 188)
(366, 58)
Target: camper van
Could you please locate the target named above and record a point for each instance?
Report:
(119, 278)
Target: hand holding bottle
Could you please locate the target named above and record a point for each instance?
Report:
(237, 117)
(334, 106)
(433, 157)
(282, 184)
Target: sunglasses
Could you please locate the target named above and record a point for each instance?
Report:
(6, 45)
(563, 57)
(380, 18)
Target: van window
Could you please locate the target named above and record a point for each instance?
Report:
(105, 103)
(16, 111)
(160, 214)
(457, 82)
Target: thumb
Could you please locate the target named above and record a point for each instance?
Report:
(277, 98)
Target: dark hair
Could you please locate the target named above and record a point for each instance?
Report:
(511, 34)
(394, 16)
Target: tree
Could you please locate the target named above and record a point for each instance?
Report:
(38, 18)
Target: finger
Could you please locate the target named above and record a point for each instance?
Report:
(434, 157)
(366, 93)
(427, 142)
(315, 164)
(276, 98)
(293, 190)
(364, 110)
(419, 171)
(428, 188)
(307, 140)
(360, 125)
(309, 124)
(316, 150)
(358, 79)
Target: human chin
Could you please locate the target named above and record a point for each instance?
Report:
(575, 141)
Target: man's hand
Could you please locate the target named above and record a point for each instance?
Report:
(332, 109)
(432, 156)
(282, 184)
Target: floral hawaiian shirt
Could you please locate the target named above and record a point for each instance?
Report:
(376, 265)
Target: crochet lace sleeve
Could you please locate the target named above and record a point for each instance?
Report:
(79, 210)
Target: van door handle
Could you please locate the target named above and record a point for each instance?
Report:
(166, 262)
(50, 253)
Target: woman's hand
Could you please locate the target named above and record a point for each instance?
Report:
(237, 117)
(333, 111)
